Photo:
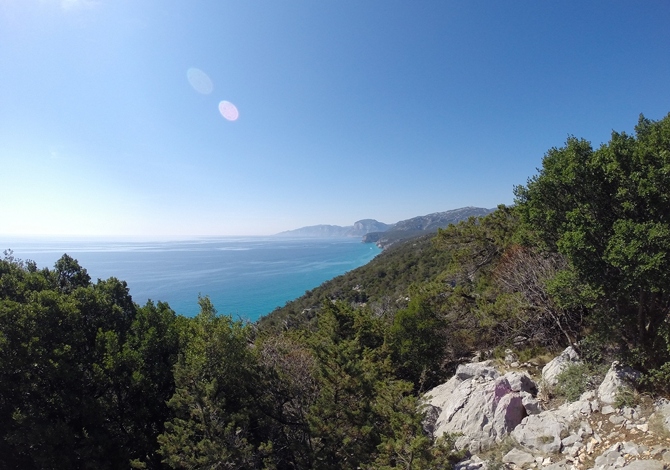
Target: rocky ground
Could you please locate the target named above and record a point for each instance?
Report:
(498, 412)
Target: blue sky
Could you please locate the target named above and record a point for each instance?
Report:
(347, 109)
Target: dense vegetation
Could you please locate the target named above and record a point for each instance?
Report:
(89, 379)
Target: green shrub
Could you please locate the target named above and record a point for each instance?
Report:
(658, 380)
(573, 381)
(532, 352)
(626, 397)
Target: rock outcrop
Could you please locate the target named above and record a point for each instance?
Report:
(480, 404)
(486, 408)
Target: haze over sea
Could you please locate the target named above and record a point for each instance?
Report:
(244, 277)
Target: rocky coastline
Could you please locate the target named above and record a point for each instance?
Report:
(502, 419)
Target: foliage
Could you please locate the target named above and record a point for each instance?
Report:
(382, 285)
(572, 382)
(608, 212)
(84, 372)
(576, 379)
(626, 397)
(417, 344)
(89, 379)
(214, 422)
(364, 417)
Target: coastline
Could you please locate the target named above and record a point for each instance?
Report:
(246, 277)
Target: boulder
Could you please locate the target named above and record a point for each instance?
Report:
(476, 369)
(521, 382)
(663, 409)
(618, 378)
(518, 457)
(557, 365)
(530, 403)
(610, 459)
(540, 433)
(472, 463)
(479, 405)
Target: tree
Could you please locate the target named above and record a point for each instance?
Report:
(526, 280)
(288, 389)
(84, 373)
(608, 212)
(342, 420)
(418, 343)
(216, 423)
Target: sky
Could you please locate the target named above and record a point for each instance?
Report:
(165, 118)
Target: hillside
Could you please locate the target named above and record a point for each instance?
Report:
(384, 279)
(416, 226)
(338, 378)
(385, 235)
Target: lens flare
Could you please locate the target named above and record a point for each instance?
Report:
(199, 80)
(228, 110)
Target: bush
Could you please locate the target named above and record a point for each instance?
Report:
(575, 380)
(626, 397)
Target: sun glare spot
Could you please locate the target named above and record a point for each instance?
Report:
(200, 81)
(228, 110)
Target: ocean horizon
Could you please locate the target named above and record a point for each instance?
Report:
(246, 277)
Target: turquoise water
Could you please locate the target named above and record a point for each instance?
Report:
(244, 277)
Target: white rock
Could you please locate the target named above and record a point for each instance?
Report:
(518, 457)
(610, 459)
(617, 378)
(558, 364)
(521, 382)
(644, 465)
(571, 439)
(482, 409)
(607, 410)
(476, 369)
(541, 432)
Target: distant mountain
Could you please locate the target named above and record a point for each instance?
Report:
(365, 226)
(359, 229)
(422, 225)
(385, 235)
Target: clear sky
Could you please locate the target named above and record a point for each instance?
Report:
(110, 119)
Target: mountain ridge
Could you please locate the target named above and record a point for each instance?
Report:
(384, 235)
(358, 229)
(423, 224)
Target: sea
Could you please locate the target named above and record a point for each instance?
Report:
(244, 277)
